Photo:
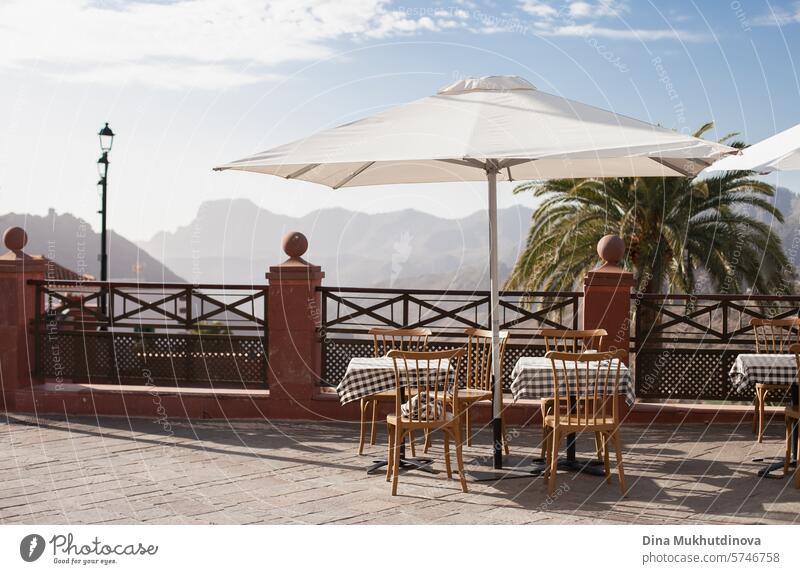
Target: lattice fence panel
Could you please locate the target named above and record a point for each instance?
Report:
(336, 355)
(182, 360)
(686, 374)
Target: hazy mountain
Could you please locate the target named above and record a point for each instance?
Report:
(72, 242)
(235, 241)
(789, 204)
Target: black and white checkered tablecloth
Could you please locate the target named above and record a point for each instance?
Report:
(532, 378)
(367, 376)
(770, 369)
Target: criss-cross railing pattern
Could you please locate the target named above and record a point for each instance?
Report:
(685, 345)
(143, 305)
(182, 334)
(348, 313)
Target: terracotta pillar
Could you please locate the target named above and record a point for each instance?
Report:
(17, 309)
(293, 318)
(607, 295)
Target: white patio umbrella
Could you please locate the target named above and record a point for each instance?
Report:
(491, 128)
(780, 152)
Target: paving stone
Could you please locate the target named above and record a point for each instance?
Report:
(116, 470)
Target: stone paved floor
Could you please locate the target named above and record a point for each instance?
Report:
(114, 470)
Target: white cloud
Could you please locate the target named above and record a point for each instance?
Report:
(578, 19)
(598, 9)
(644, 35)
(199, 43)
(539, 9)
(580, 9)
(214, 44)
(780, 16)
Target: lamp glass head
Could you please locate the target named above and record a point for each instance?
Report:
(106, 138)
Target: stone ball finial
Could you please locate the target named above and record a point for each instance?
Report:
(15, 238)
(611, 249)
(295, 244)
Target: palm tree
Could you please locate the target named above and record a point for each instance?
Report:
(676, 230)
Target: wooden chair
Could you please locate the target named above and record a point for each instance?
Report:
(478, 378)
(585, 389)
(432, 382)
(385, 340)
(791, 416)
(772, 336)
(569, 341)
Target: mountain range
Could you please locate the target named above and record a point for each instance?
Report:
(73, 243)
(235, 241)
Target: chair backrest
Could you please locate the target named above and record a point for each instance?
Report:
(573, 341)
(796, 350)
(385, 340)
(479, 358)
(585, 385)
(428, 378)
(775, 335)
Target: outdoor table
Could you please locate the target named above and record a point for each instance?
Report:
(771, 369)
(532, 378)
(367, 376)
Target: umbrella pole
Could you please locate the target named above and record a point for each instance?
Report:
(497, 473)
(494, 289)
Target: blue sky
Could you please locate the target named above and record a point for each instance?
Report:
(188, 85)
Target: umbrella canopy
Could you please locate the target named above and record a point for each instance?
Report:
(491, 128)
(443, 138)
(779, 152)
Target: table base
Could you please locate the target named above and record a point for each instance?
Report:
(591, 467)
(499, 474)
(423, 464)
(772, 467)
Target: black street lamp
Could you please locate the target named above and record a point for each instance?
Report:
(106, 140)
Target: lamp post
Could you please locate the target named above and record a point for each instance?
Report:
(106, 140)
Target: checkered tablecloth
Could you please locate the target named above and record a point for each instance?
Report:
(770, 369)
(367, 376)
(532, 378)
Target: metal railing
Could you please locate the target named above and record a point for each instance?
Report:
(684, 345)
(347, 314)
(167, 334)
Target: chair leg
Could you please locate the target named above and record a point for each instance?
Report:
(428, 435)
(622, 485)
(787, 440)
(546, 447)
(460, 458)
(761, 414)
(755, 412)
(544, 433)
(362, 429)
(390, 458)
(374, 432)
(598, 443)
(447, 454)
(413, 441)
(606, 465)
(555, 440)
(505, 436)
(468, 427)
(399, 437)
(796, 474)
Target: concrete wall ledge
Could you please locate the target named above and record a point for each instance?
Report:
(160, 402)
(149, 389)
